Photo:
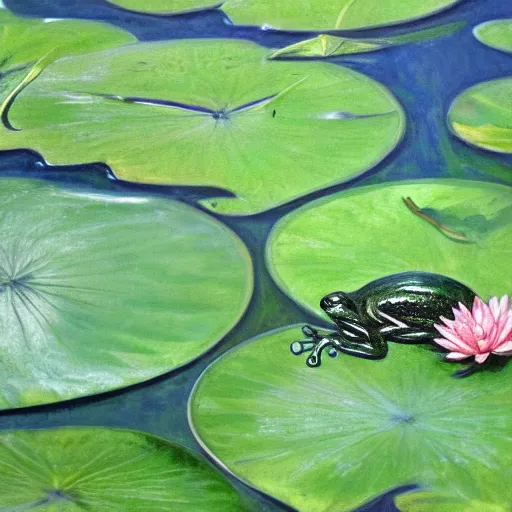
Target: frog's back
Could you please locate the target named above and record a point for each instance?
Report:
(413, 298)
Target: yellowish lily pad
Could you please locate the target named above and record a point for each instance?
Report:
(482, 115)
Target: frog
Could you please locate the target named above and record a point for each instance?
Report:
(400, 308)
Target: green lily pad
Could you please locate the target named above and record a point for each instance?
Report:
(98, 469)
(331, 46)
(425, 501)
(100, 291)
(329, 15)
(482, 115)
(330, 438)
(210, 112)
(457, 228)
(496, 34)
(166, 6)
(27, 46)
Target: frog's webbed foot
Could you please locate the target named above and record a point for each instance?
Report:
(314, 339)
(315, 359)
(312, 333)
(299, 347)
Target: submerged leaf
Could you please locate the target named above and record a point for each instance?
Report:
(100, 291)
(100, 470)
(210, 113)
(471, 229)
(344, 241)
(331, 46)
(496, 34)
(482, 115)
(330, 438)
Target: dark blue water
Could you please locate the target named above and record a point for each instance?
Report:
(425, 77)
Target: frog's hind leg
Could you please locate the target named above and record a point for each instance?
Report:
(408, 335)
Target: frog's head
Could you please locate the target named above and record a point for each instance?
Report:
(340, 307)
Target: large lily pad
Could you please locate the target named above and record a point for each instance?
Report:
(96, 469)
(28, 45)
(329, 15)
(99, 291)
(210, 112)
(328, 439)
(166, 6)
(496, 34)
(457, 228)
(482, 115)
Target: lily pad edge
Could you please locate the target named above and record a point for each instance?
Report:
(169, 14)
(449, 123)
(489, 45)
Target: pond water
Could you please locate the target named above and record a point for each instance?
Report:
(425, 77)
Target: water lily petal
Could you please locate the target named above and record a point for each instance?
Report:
(505, 304)
(480, 358)
(487, 322)
(485, 345)
(504, 348)
(478, 310)
(466, 332)
(462, 312)
(494, 304)
(504, 328)
(456, 356)
(447, 322)
(449, 345)
(456, 342)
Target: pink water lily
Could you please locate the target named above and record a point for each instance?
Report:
(485, 330)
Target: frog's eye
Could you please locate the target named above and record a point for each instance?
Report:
(330, 300)
(338, 300)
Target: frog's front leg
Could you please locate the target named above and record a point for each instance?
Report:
(376, 349)
(313, 338)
